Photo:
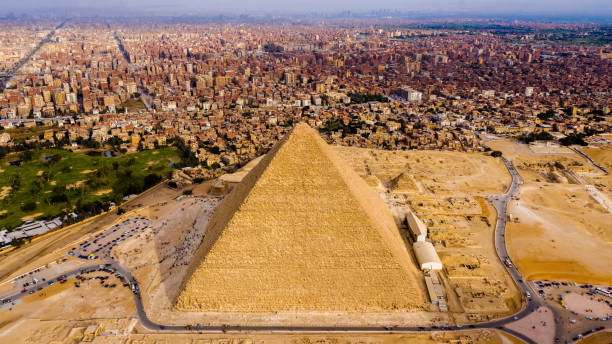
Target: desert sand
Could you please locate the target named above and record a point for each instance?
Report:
(559, 231)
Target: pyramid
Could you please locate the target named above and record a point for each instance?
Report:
(403, 183)
(302, 231)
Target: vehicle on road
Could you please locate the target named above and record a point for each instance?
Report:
(508, 262)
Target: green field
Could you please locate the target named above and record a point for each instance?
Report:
(21, 133)
(133, 105)
(56, 181)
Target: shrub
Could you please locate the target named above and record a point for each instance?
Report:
(29, 206)
(151, 179)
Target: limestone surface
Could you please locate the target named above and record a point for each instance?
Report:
(302, 231)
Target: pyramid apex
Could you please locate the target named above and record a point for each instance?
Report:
(302, 231)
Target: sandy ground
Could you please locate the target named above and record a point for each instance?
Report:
(475, 337)
(603, 156)
(6, 190)
(539, 326)
(61, 306)
(88, 171)
(598, 338)
(103, 192)
(544, 243)
(31, 217)
(75, 185)
(462, 219)
(436, 173)
(124, 330)
(560, 232)
(509, 149)
(587, 305)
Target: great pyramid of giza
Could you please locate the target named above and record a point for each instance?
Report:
(302, 231)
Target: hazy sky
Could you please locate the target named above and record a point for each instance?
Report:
(203, 7)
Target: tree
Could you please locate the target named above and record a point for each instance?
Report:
(35, 187)
(26, 155)
(114, 141)
(151, 179)
(573, 139)
(16, 184)
(29, 206)
(17, 243)
(58, 197)
(496, 154)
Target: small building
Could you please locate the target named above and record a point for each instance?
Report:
(417, 227)
(427, 256)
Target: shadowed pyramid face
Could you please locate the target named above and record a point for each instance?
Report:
(301, 232)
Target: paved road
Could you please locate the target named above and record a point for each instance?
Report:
(6, 77)
(147, 100)
(532, 303)
(501, 205)
(590, 160)
(151, 325)
(17, 294)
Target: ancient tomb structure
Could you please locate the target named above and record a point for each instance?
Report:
(301, 232)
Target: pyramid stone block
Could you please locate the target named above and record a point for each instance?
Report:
(301, 232)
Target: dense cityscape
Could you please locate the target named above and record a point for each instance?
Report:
(125, 128)
(230, 91)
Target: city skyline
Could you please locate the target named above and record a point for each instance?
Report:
(589, 8)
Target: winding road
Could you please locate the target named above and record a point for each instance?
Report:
(532, 299)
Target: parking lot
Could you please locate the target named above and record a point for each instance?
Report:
(100, 246)
(38, 276)
(584, 308)
(96, 248)
(582, 300)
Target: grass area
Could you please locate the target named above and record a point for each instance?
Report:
(55, 181)
(133, 105)
(23, 132)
